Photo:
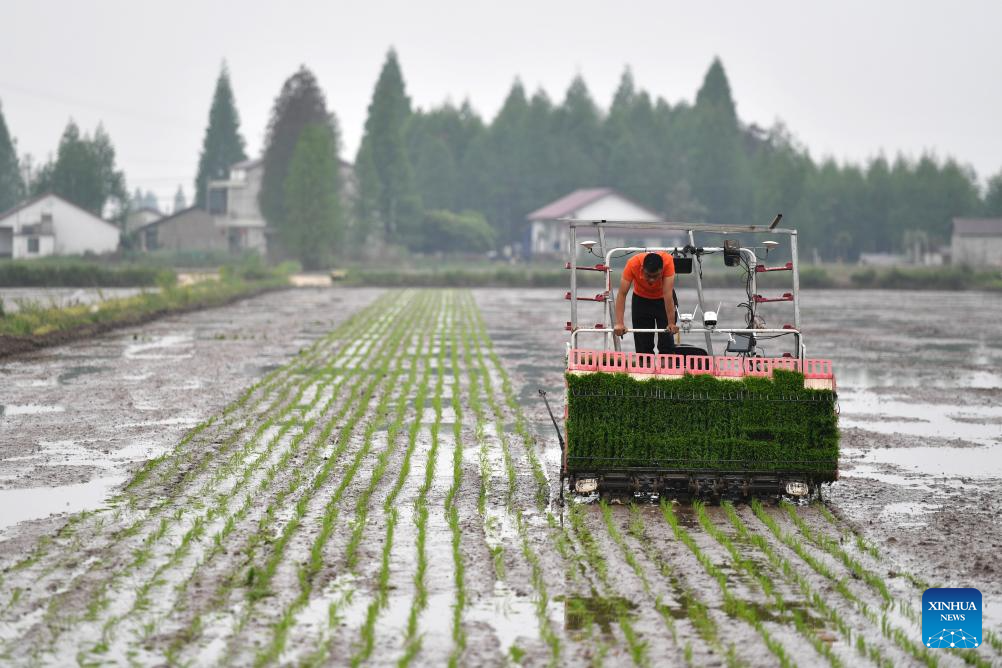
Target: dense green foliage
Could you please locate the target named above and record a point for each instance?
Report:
(84, 172)
(313, 224)
(688, 161)
(466, 232)
(701, 422)
(75, 273)
(300, 104)
(993, 198)
(223, 146)
(388, 199)
(489, 274)
(11, 186)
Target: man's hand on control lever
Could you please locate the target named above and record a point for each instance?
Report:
(619, 329)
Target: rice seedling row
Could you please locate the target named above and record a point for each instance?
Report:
(270, 473)
(866, 650)
(272, 535)
(537, 576)
(834, 547)
(767, 586)
(98, 599)
(888, 630)
(412, 640)
(596, 559)
(697, 612)
(733, 606)
(307, 573)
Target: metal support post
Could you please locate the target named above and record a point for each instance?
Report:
(699, 292)
(574, 276)
(609, 310)
(796, 288)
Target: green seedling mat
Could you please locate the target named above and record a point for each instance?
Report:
(698, 422)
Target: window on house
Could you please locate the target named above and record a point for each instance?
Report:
(150, 240)
(33, 245)
(217, 201)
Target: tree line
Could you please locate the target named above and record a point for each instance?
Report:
(447, 179)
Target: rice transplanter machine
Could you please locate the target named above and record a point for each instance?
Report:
(719, 417)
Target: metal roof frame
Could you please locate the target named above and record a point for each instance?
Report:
(677, 226)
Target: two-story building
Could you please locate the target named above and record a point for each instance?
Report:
(232, 203)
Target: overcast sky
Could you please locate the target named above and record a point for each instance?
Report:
(849, 79)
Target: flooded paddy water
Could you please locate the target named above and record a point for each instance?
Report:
(388, 495)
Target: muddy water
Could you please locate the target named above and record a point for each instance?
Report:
(76, 419)
(920, 391)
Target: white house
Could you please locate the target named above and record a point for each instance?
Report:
(977, 242)
(549, 236)
(51, 225)
(232, 203)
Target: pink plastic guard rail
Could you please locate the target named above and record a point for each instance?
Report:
(582, 359)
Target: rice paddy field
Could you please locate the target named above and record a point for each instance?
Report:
(364, 477)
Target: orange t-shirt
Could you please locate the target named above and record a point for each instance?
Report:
(634, 271)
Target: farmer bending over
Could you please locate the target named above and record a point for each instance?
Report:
(652, 277)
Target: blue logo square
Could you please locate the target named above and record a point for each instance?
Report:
(951, 617)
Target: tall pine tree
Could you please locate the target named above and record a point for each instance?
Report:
(300, 104)
(11, 187)
(223, 146)
(388, 195)
(716, 159)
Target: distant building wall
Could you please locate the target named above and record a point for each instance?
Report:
(78, 231)
(191, 230)
(977, 251)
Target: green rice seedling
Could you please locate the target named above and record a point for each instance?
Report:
(332, 507)
(473, 396)
(889, 631)
(818, 601)
(367, 631)
(757, 424)
(634, 564)
(361, 392)
(763, 580)
(452, 509)
(412, 640)
(732, 605)
(596, 560)
(161, 531)
(15, 596)
(833, 548)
